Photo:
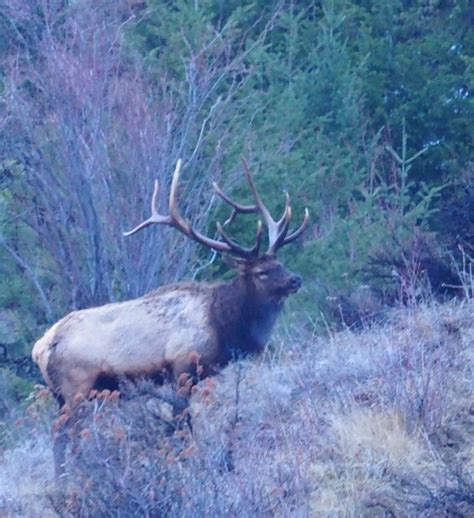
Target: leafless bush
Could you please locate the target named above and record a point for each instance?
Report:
(25, 454)
(91, 130)
(465, 271)
(129, 458)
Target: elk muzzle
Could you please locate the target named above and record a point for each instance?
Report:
(294, 283)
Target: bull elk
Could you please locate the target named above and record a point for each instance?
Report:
(161, 334)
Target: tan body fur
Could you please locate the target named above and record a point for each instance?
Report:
(150, 336)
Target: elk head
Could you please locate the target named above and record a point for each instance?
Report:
(266, 277)
(263, 274)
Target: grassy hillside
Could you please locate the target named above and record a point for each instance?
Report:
(378, 422)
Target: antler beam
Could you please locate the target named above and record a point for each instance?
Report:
(174, 219)
(277, 230)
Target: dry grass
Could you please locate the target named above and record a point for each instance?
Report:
(371, 423)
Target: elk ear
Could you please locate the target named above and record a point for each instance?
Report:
(236, 263)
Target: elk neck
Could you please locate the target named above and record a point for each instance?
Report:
(242, 319)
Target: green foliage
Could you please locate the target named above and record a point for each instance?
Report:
(14, 387)
(419, 69)
(361, 109)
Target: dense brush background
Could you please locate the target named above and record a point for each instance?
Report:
(362, 110)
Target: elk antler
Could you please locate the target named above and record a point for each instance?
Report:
(174, 219)
(277, 230)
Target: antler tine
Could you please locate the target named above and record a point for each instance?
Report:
(237, 208)
(283, 226)
(179, 222)
(244, 209)
(258, 238)
(155, 216)
(261, 206)
(286, 212)
(250, 251)
(276, 229)
(231, 218)
(297, 233)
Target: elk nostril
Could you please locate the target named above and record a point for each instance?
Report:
(296, 281)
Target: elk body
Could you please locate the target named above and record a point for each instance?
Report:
(184, 328)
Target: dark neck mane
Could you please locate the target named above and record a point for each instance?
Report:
(243, 322)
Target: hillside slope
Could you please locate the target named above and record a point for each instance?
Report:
(374, 423)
